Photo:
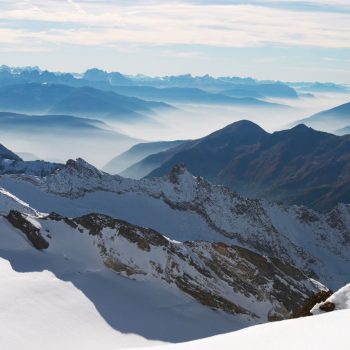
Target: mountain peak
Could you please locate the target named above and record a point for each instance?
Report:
(240, 130)
(243, 125)
(301, 128)
(82, 167)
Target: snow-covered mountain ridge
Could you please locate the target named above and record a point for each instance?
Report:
(184, 207)
(223, 277)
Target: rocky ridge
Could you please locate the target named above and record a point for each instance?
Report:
(317, 243)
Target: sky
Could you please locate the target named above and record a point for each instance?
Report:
(280, 40)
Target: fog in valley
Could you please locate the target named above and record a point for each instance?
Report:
(103, 141)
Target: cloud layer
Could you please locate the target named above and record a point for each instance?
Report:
(40, 24)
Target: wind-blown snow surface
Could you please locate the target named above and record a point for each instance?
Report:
(322, 332)
(40, 311)
(187, 208)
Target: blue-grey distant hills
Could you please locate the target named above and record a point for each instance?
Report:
(59, 137)
(323, 87)
(343, 131)
(299, 165)
(330, 120)
(82, 101)
(137, 153)
(145, 166)
(277, 90)
(193, 95)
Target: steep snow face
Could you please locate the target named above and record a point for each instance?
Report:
(340, 300)
(188, 208)
(10, 202)
(322, 332)
(40, 311)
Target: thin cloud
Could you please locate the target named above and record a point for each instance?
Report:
(232, 24)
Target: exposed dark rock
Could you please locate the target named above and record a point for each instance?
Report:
(307, 216)
(95, 223)
(177, 170)
(317, 298)
(327, 306)
(33, 234)
(143, 237)
(118, 266)
(57, 217)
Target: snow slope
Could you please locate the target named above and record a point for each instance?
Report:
(322, 332)
(10, 202)
(40, 311)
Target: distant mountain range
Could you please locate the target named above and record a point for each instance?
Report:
(192, 95)
(84, 102)
(321, 87)
(234, 86)
(300, 165)
(277, 90)
(181, 88)
(63, 135)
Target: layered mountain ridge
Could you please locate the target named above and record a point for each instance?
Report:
(296, 166)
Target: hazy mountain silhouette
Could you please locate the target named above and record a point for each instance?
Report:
(331, 119)
(63, 99)
(137, 153)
